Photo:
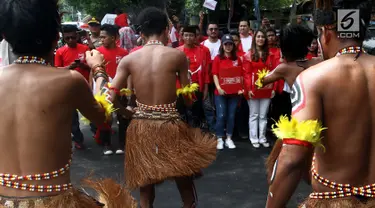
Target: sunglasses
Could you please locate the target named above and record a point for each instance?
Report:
(70, 37)
(212, 29)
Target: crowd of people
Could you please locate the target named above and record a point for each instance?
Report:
(177, 105)
(214, 110)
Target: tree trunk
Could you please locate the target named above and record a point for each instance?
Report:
(231, 10)
(293, 11)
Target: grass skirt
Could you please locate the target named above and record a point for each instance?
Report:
(160, 149)
(349, 202)
(110, 195)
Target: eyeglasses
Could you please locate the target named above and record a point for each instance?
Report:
(212, 29)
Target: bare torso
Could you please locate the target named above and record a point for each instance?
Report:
(347, 88)
(36, 118)
(153, 71)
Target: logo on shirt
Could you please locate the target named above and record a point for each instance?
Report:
(231, 80)
(235, 63)
(118, 59)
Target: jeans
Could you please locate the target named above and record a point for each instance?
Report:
(225, 112)
(122, 128)
(76, 131)
(209, 108)
(258, 118)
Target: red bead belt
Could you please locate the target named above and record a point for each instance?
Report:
(343, 190)
(9, 180)
(159, 108)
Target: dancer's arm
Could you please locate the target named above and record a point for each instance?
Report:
(86, 103)
(277, 74)
(94, 58)
(294, 157)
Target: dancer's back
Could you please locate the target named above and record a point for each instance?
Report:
(36, 117)
(153, 70)
(347, 95)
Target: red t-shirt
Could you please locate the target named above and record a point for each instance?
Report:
(122, 20)
(309, 56)
(198, 65)
(136, 49)
(276, 52)
(251, 69)
(65, 56)
(219, 63)
(112, 57)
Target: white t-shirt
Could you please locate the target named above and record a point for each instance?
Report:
(213, 47)
(246, 43)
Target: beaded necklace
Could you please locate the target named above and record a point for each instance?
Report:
(154, 42)
(31, 60)
(350, 50)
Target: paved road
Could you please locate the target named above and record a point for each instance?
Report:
(235, 180)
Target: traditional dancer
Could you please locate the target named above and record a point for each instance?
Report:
(159, 144)
(335, 93)
(35, 145)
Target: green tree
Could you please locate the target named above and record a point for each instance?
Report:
(274, 5)
(193, 7)
(98, 8)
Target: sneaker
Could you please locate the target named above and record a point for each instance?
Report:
(256, 145)
(220, 144)
(120, 152)
(107, 151)
(79, 146)
(264, 142)
(229, 143)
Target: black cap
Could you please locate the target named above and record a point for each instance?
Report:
(227, 39)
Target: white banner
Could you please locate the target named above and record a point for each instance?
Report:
(210, 4)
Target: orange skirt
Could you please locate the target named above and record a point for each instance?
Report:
(160, 149)
(110, 195)
(348, 202)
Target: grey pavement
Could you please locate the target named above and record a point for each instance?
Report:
(235, 180)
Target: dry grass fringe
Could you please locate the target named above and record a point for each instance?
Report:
(350, 202)
(157, 150)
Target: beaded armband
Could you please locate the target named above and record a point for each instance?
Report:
(99, 71)
(188, 90)
(122, 92)
(303, 133)
(261, 74)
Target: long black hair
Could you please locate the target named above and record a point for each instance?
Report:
(294, 42)
(30, 27)
(254, 51)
